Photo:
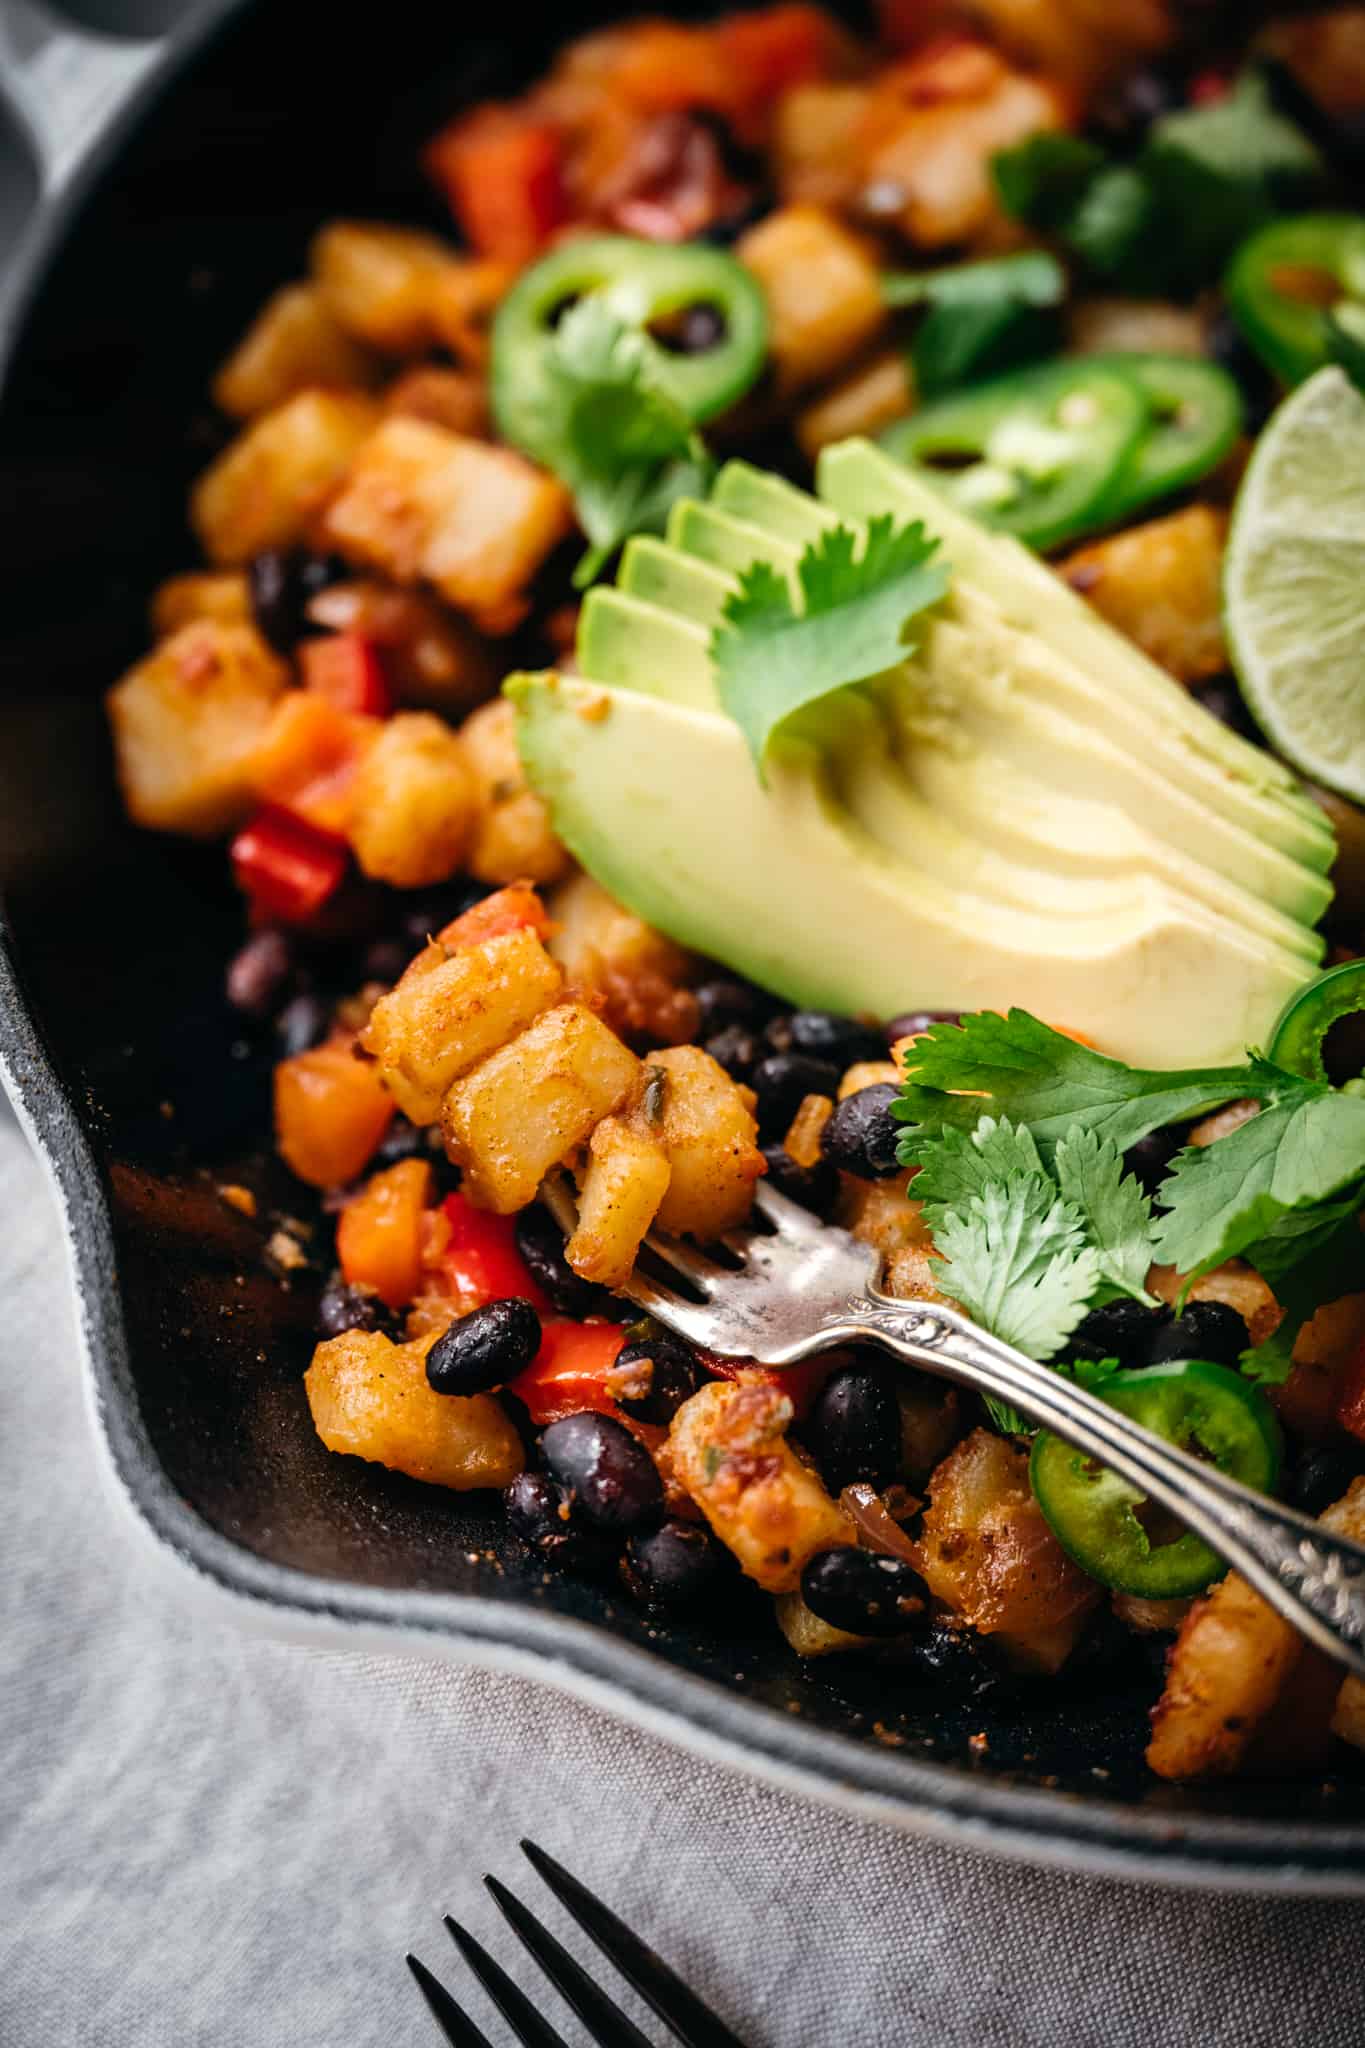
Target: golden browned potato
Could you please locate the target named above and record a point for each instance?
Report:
(449, 1012)
(221, 595)
(815, 143)
(526, 1108)
(267, 487)
(424, 505)
(823, 289)
(413, 802)
(931, 1423)
(512, 837)
(987, 1553)
(454, 399)
(370, 1399)
(867, 400)
(1325, 50)
(728, 1447)
(639, 975)
(1082, 43)
(623, 1184)
(808, 1635)
(1244, 1692)
(1161, 584)
(1094, 326)
(707, 1128)
(293, 344)
(186, 721)
(383, 283)
(434, 660)
(1149, 1617)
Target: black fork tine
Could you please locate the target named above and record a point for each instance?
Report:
(516, 2008)
(602, 2017)
(454, 2022)
(677, 2005)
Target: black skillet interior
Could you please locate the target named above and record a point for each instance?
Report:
(122, 938)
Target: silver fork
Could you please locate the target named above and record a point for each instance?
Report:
(804, 1286)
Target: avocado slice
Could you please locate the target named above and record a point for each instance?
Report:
(786, 887)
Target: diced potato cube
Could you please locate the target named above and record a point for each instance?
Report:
(808, 1635)
(446, 1014)
(707, 1128)
(728, 1448)
(802, 1142)
(638, 973)
(370, 1399)
(382, 283)
(1096, 325)
(868, 400)
(454, 399)
(221, 595)
(412, 803)
(186, 721)
(1161, 584)
(1080, 42)
(433, 659)
(293, 344)
(265, 490)
(823, 290)
(815, 143)
(625, 1181)
(474, 520)
(527, 1107)
(512, 833)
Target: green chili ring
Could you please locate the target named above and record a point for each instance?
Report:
(1200, 1407)
(1296, 1043)
(1196, 415)
(648, 284)
(1291, 329)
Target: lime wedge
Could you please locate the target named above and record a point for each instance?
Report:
(1294, 582)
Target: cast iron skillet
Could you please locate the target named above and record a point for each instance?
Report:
(220, 149)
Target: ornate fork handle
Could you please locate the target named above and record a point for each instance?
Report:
(1315, 1580)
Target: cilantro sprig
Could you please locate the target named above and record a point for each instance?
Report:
(1168, 219)
(979, 319)
(610, 431)
(1284, 1190)
(774, 658)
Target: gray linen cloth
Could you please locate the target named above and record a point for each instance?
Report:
(208, 1838)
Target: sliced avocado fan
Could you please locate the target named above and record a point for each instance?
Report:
(1028, 811)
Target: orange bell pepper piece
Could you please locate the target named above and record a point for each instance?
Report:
(380, 1235)
(331, 1110)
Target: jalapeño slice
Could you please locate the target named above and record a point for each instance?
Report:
(1288, 282)
(1195, 416)
(653, 287)
(1035, 454)
(1097, 1517)
(1299, 1039)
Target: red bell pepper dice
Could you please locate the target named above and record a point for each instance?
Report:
(285, 866)
(502, 172)
(348, 670)
(570, 1372)
(482, 1257)
(801, 1383)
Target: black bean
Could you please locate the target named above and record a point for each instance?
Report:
(668, 1372)
(484, 1349)
(735, 1049)
(863, 1593)
(912, 1022)
(402, 1140)
(1150, 1159)
(783, 1081)
(853, 1430)
(302, 1023)
(862, 1135)
(1121, 1329)
(282, 584)
(605, 1468)
(541, 1243)
(342, 1308)
(730, 1002)
(1206, 1329)
(259, 973)
(701, 327)
(814, 1187)
(675, 1566)
(956, 1660)
(1320, 1476)
(826, 1036)
(545, 1517)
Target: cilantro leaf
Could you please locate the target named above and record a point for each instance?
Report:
(1043, 179)
(959, 1164)
(772, 660)
(1117, 1213)
(1017, 1067)
(1331, 1253)
(979, 318)
(1018, 1262)
(612, 433)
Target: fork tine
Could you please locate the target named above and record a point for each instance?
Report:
(602, 2017)
(454, 2022)
(516, 2008)
(787, 1216)
(677, 2005)
(694, 1266)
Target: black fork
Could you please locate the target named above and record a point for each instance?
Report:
(680, 2009)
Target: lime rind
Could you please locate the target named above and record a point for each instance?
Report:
(1294, 582)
